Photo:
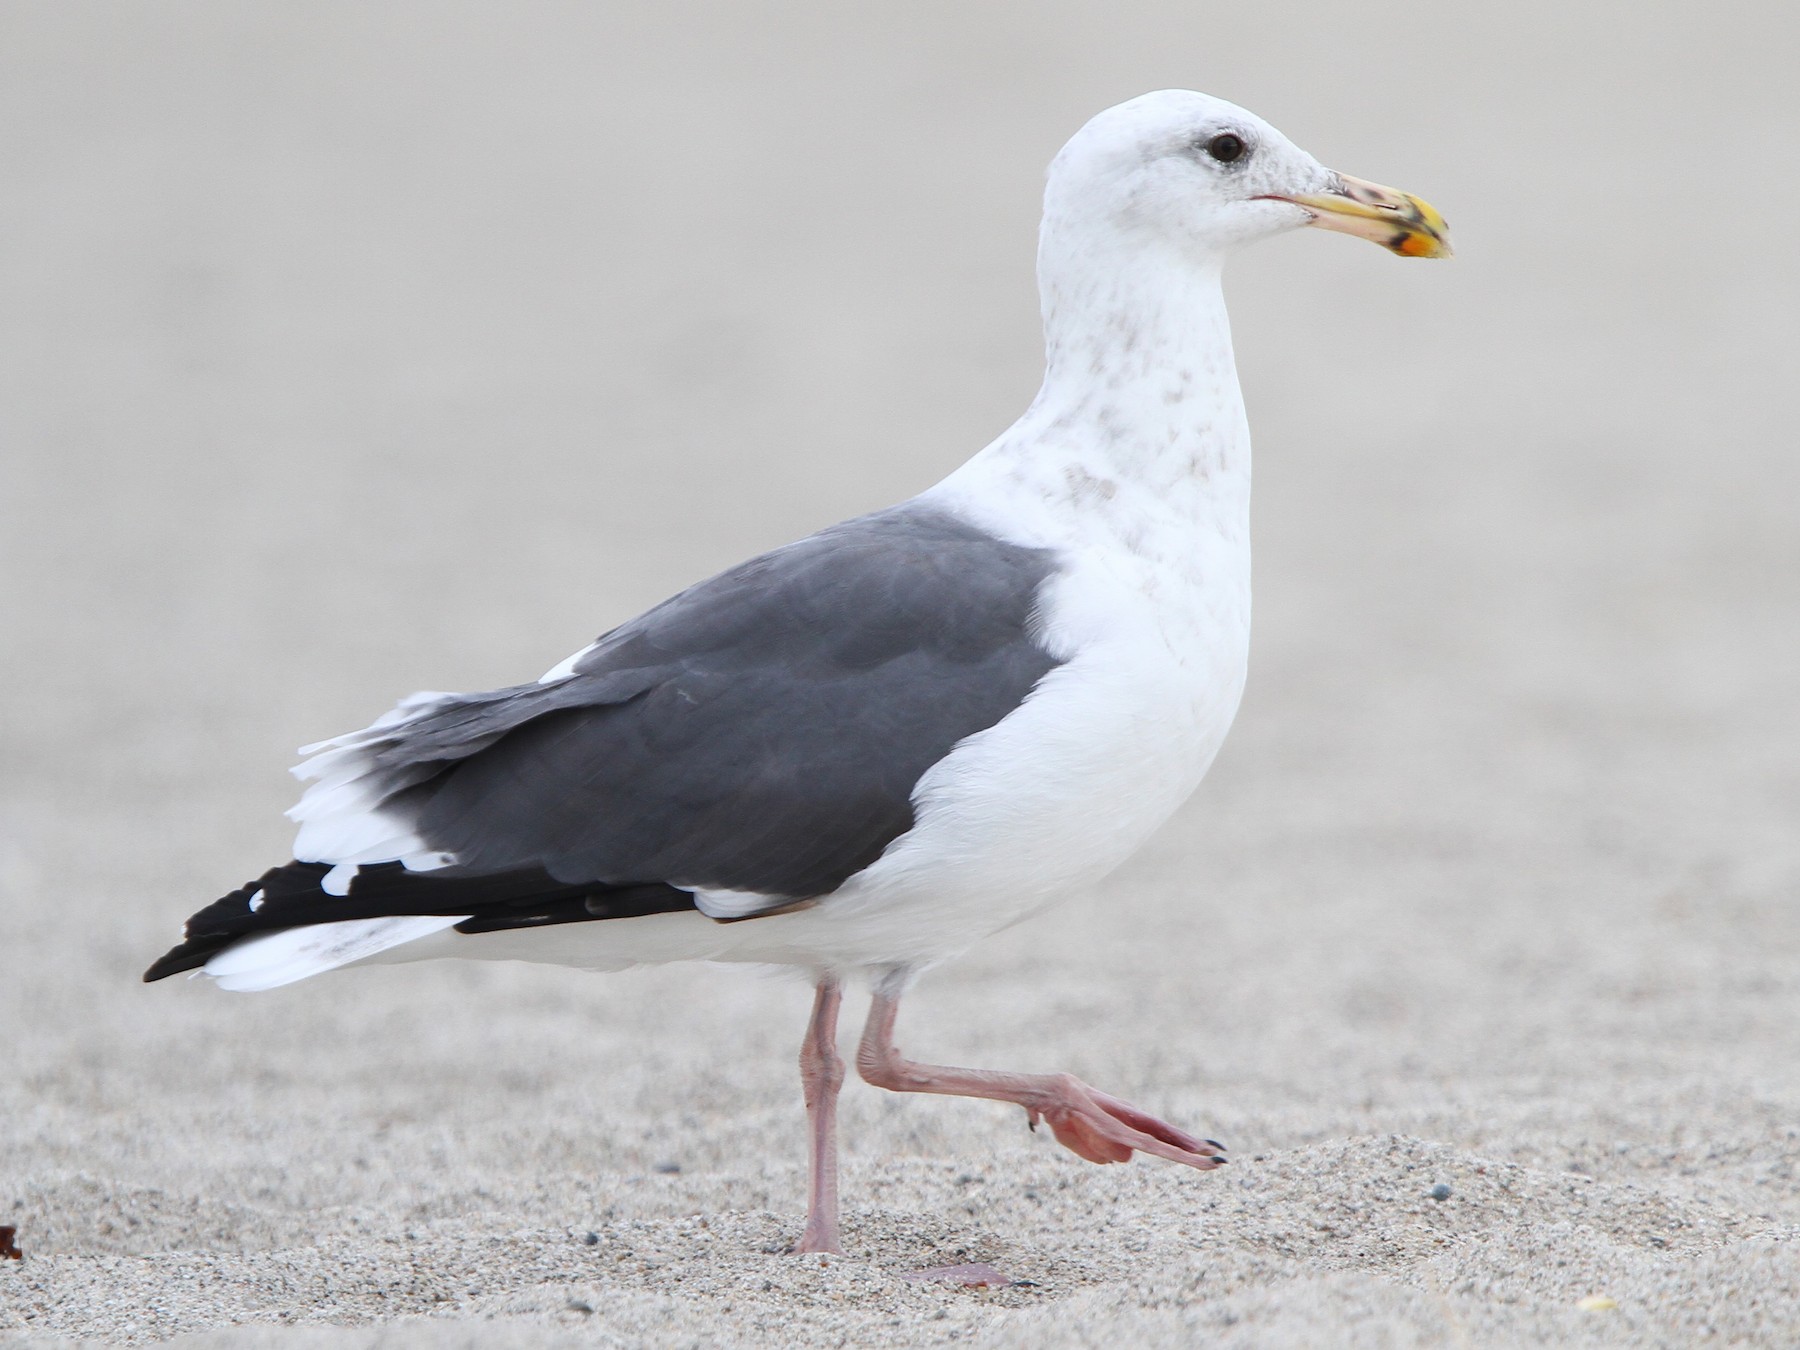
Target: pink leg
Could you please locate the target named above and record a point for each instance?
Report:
(821, 1075)
(1100, 1128)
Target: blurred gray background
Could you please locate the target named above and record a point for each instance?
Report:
(353, 349)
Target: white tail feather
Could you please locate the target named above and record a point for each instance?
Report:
(339, 814)
(294, 953)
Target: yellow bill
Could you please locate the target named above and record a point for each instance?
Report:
(1396, 220)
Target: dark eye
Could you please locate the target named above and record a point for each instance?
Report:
(1226, 147)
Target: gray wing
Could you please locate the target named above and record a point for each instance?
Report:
(762, 731)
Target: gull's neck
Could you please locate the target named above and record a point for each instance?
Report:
(1140, 414)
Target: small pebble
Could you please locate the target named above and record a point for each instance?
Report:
(666, 1168)
(592, 1239)
(1597, 1303)
(1439, 1192)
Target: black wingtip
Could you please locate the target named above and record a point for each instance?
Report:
(292, 896)
(188, 956)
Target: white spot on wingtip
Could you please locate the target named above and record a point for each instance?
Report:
(337, 880)
(256, 902)
(723, 904)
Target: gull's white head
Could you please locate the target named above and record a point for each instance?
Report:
(1202, 176)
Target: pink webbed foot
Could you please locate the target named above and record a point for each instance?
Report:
(1103, 1129)
(1084, 1120)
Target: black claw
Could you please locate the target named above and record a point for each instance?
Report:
(1213, 1143)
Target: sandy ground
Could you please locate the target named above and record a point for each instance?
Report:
(347, 350)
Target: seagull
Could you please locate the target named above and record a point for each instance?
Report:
(861, 753)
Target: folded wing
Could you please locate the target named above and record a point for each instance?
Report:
(756, 738)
